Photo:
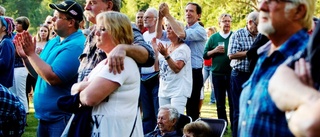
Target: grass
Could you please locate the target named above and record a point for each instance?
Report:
(210, 111)
(30, 130)
(207, 111)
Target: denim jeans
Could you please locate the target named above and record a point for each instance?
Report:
(150, 103)
(236, 81)
(52, 128)
(221, 86)
(206, 71)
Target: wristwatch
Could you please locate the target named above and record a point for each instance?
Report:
(168, 57)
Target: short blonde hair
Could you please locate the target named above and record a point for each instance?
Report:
(118, 25)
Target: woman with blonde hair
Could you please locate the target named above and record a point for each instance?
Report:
(175, 69)
(114, 97)
(42, 37)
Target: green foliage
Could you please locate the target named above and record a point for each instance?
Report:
(37, 10)
(211, 10)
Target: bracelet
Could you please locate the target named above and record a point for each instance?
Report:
(168, 57)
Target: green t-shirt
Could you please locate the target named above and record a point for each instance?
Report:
(220, 62)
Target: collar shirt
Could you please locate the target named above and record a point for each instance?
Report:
(259, 116)
(62, 56)
(196, 38)
(92, 55)
(240, 41)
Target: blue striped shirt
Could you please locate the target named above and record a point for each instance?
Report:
(240, 41)
(259, 116)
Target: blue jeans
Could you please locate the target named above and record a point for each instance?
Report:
(206, 71)
(221, 86)
(150, 103)
(236, 81)
(52, 128)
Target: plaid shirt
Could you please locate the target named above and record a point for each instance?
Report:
(12, 114)
(91, 55)
(240, 41)
(258, 114)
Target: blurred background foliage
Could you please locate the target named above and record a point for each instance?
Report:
(37, 10)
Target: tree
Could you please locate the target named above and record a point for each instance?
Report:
(37, 10)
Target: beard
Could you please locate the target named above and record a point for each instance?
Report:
(265, 28)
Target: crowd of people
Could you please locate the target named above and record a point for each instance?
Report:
(124, 79)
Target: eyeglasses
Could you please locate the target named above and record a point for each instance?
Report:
(148, 17)
(255, 23)
(269, 1)
(226, 21)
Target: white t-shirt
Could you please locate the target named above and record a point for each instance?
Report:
(176, 84)
(115, 117)
(148, 38)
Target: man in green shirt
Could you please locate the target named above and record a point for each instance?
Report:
(217, 48)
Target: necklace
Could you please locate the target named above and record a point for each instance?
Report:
(172, 48)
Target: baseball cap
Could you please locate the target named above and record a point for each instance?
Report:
(71, 8)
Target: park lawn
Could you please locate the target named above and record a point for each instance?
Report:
(207, 111)
(30, 130)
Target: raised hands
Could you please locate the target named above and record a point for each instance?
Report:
(19, 49)
(163, 10)
(25, 44)
(163, 49)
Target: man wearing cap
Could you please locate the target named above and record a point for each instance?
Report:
(56, 68)
(140, 51)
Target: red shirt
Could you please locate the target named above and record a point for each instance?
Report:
(143, 30)
(207, 62)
